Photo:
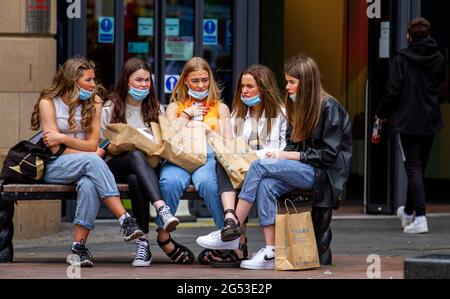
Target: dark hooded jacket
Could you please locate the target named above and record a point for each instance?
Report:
(412, 91)
(329, 150)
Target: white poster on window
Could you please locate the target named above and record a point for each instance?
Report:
(145, 26)
(172, 27)
(179, 48)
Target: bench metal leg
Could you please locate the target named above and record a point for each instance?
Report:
(321, 220)
(6, 232)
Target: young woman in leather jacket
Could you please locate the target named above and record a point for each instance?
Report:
(317, 157)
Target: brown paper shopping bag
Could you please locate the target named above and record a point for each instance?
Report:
(295, 242)
(125, 138)
(182, 146)
(235, 156)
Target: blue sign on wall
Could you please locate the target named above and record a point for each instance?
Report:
(106, 30)
(170, 81)
(210, 27)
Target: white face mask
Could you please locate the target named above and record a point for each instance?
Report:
(293, 97)
(198, 95)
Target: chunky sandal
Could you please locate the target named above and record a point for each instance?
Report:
(230, 259)
(206, 255)
(180, 252)
(231, 230)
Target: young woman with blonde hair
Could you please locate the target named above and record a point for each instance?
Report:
(195, 101)
(69, 115)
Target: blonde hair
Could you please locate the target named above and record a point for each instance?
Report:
(65, 83)
(304, 113)
(270, 95)
(180, 93)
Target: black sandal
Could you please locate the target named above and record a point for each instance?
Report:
(230, 259)
(206, 255)
(231, 230)
(179, 254)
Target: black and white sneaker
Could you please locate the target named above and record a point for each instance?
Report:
(169, 221)
(263, 260)
(143, 255)
(80, 257)
(131, 229)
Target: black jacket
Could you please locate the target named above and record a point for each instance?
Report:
(412, 90)
(329, 150)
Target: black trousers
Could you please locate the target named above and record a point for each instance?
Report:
(417, 152)
(143, 182)
(224, 183)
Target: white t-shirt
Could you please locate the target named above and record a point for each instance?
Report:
(133, 116)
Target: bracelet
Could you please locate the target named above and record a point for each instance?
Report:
(187, 114)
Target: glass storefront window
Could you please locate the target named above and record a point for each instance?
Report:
(100, 40)
(179, 41)
(139, 29)
(218, 42)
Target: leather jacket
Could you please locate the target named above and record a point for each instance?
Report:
(329, 150)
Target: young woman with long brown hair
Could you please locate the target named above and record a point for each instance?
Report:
(259, 116)
(316, 158)
(134, 102)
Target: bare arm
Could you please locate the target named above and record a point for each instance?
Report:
(54, 138)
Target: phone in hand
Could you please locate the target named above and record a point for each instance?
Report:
(104, 143)
(198, 117)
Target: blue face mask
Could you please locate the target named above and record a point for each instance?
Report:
(293, 97)
(85, 94)
(198, 95)
(138, 94)
(251, 102)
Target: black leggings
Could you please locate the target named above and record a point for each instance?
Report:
(224, 183)
(417, 151)
(143, 183)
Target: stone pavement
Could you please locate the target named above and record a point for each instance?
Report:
(354, 239)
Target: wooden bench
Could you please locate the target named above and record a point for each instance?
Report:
(11, 193)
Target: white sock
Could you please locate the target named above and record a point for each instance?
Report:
(123, 217)
(270, 249)
(75, 243)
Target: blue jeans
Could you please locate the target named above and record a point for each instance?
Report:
(175, 180)
(269, 179)
(93, 179)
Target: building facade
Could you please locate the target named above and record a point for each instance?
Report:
(352, 41)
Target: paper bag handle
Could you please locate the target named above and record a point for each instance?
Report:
(287, 208)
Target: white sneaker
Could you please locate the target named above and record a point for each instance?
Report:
(404, 218)
(143, 255)
(262, 260)
(419, 226)
(214, 241)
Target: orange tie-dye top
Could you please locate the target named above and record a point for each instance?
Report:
(211, 118)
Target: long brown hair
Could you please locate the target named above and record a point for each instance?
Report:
(150, 106)
(180, 93)
(65, 84)
(304, 113)
(270, 95)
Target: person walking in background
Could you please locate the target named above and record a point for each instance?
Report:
(411, 104)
